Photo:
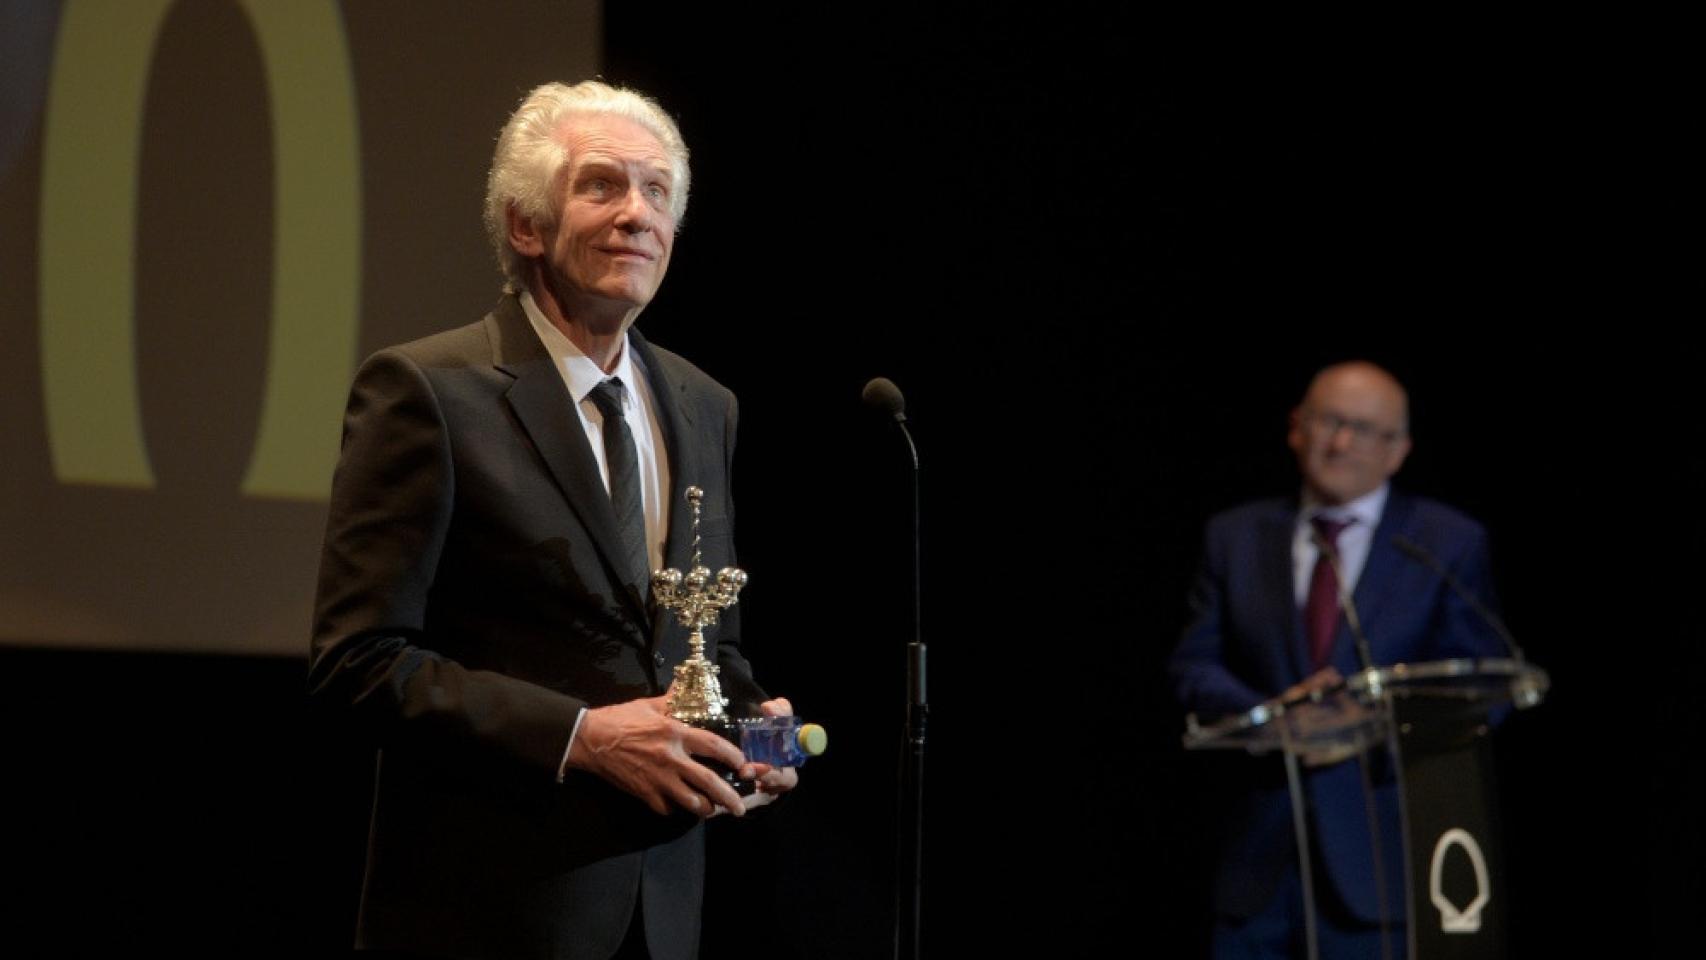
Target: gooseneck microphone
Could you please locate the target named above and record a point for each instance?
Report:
(1345, 602)
(1426, 558)
(883, 396)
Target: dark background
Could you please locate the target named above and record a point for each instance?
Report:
(1102, 255)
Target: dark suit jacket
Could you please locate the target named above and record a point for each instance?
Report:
(469, 606)
(1245, 644)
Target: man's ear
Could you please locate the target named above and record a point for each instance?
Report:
(1395, 456)
(523, 235)
(1294, 435)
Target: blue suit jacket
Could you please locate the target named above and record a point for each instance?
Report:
(1245, 644)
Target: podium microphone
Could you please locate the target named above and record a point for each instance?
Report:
(1426, 558)
(883, 396)
(1345, 602)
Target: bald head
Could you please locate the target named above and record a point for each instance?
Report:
(1351, 433)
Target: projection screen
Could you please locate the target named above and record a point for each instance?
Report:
(210, 210)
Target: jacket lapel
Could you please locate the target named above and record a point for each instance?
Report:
(675, 418)
(546, 412)
(1281, 593)
(1375, 585)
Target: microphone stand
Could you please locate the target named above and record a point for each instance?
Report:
(881, 394)
(911, 888)
(1526, 689)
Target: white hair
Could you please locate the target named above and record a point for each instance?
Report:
(531, 156)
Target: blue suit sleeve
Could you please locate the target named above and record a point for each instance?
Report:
(1202, 681)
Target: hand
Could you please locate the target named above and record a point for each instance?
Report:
(642, 750)
(1333, 730)
(1317, 757)
(772, 781)
(1312, 686)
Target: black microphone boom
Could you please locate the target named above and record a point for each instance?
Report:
(1426, 558)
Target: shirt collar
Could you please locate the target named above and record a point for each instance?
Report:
(1365, 510)
(579, 371)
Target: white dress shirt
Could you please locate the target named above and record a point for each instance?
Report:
(1354, 541)
(581, 375)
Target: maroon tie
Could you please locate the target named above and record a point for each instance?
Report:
(1321, 611)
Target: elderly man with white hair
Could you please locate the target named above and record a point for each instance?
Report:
(484, 612)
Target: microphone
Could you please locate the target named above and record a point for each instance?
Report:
(1345, 602)
(882, 395)
(1426, 558)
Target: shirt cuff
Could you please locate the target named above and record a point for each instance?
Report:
(563, 765)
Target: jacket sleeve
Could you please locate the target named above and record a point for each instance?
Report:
(391, 507)
(1202, 681)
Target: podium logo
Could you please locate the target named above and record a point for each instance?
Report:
(1451, 919)
(92, 139)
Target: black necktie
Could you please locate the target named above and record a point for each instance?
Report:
(624, 465)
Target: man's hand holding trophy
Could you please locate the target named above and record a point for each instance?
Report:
(774, 743)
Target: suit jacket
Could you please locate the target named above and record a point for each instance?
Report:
(470, 604)
(1245, 644)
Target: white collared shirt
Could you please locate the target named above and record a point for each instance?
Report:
(581, 375)
(1354, 541)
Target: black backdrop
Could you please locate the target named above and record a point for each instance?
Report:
(1102, 256)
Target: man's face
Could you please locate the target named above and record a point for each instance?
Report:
(1350, 434)
(610, 245)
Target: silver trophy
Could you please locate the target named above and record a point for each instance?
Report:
(696, 697)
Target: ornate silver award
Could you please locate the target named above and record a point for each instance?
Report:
(696, 599)
(696, 696)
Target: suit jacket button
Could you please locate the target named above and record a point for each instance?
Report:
(657, 658)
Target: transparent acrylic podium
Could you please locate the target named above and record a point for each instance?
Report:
(1434, 718)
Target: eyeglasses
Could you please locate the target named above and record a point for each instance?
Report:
(1363, 432)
